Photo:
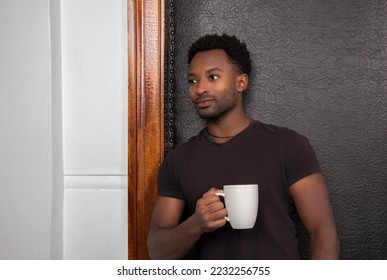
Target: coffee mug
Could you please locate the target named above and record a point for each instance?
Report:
(241, 204)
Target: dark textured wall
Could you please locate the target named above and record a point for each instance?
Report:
(320, 67)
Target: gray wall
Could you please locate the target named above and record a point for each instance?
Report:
(320, 68)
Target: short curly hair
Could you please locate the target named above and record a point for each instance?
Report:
(236, 51)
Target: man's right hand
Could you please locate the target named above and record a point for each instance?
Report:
(210, 211)
(170, 239)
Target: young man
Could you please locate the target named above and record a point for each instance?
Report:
(234, 149)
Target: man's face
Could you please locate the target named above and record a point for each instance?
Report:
(213, 84)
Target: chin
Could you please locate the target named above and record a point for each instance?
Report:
(212, 117)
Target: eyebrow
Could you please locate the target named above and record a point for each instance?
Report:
(208, 71)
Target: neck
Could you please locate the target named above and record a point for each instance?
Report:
(225, 129)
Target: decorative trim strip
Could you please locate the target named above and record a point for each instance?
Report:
(169, 121)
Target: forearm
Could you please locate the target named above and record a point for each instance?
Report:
(173, 243)
(324, 245)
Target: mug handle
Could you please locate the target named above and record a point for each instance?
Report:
(224, 195)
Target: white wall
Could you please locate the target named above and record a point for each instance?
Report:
(57, 131)
(95, 128)
(25, 130)
(63, 82)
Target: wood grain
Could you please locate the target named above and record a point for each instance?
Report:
(145, 116)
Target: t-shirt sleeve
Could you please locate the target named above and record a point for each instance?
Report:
(299, 158)
(167, 180)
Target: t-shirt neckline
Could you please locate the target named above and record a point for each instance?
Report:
(208, 136)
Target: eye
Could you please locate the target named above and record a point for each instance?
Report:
(192, 81)
(213, 77)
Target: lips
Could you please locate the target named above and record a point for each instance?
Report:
(203, 102)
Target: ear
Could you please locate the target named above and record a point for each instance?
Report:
(243, 82)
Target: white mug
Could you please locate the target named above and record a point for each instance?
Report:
(241, 204)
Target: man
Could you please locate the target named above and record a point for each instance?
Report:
(234, 149)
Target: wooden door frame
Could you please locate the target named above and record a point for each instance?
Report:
(146, 56)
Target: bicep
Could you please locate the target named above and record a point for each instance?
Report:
(312, 201)
(167, 212)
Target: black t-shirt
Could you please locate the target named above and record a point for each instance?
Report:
(272, 157)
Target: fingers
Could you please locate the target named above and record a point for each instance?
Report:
(212, 191)
(210, 202)
(210, 211)
(210, 207)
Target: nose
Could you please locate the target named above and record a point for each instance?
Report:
(200, 87)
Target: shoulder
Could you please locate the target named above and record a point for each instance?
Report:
(283, 139)
(297, 154)
(183, 150)
(279, 134)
